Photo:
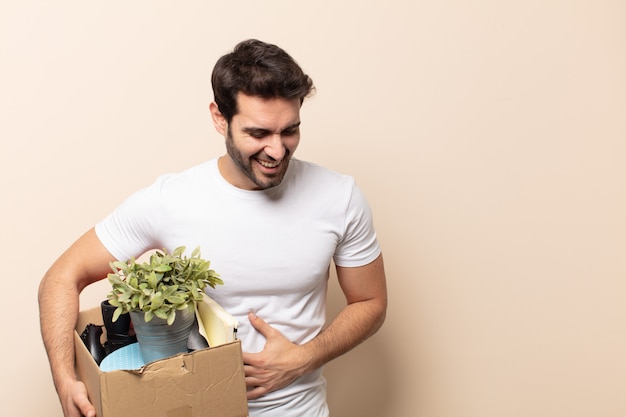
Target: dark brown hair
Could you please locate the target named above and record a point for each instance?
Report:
(258, 69)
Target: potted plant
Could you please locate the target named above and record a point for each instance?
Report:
(160, 296)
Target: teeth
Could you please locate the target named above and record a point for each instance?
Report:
(267, 164)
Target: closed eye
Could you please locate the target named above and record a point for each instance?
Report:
(259, 133)
(290, 132)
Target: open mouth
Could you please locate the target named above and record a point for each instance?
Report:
(268, 164)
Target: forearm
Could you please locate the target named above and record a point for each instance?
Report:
(353, 325)
(365, 289)
(58, 311)
(85, 262)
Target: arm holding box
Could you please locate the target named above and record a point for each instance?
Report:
(85, 262)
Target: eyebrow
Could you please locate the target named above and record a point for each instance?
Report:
(263, 130)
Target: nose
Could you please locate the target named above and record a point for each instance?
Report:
(275, 147)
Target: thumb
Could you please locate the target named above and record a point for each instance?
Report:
(82, 402)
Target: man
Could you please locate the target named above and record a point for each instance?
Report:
(269, 223)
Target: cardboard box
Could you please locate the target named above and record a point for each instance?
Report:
(207, 382)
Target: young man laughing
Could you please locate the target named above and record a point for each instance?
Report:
(270, 224)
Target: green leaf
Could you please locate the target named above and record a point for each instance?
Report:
(157, 300)
(162, 268)
(133, 282)
(124, 297)
(171, 317)
(176, 299)
(152, 280)
(117, 313)
(134, 302)
(114, 279)
(118, 265)
(161, 313)
(177, 253)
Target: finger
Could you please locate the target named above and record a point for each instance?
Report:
(250, 370)
(260, 325)
(252, 383)
(249, 359)
(256, 392)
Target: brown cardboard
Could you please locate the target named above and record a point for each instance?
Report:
(207, 382)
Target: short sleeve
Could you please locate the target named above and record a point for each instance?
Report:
(359, 245)
(130, 230)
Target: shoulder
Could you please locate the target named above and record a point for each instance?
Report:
(321, 187)
(189, 178)
(317, 174)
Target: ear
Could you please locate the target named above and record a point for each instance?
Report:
(219, 121)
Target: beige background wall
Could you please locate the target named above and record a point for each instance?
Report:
(489, 137)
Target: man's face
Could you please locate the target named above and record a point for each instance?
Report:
(260, 140)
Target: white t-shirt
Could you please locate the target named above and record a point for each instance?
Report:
(272, 248)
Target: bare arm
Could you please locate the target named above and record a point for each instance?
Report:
(366, 295)
(281, 361)
(85, 262)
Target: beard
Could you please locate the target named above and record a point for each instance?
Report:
(246, 165)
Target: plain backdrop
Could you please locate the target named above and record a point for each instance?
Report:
(488, 136)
